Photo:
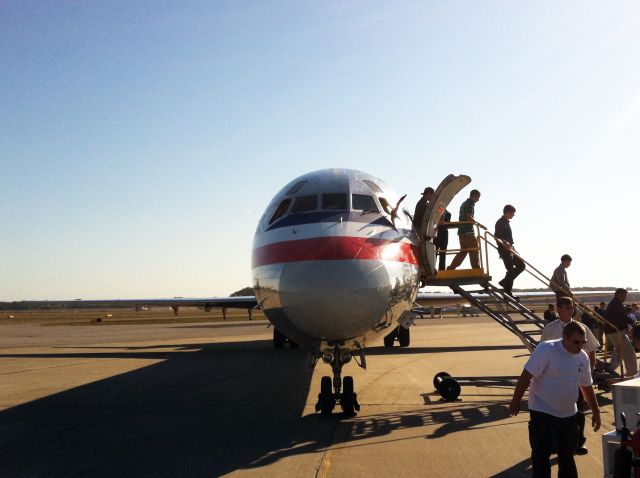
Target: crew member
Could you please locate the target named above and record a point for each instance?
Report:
(421, 206)
(442, 239)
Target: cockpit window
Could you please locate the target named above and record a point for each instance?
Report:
(374, 187)
(296, 187)
(362, 202)
(281, 210)
(305, 204)
(334, 201)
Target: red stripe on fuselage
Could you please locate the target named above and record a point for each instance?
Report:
(333, 248)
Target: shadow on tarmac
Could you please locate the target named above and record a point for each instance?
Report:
(205, 410)
(220, 408)
(382, 350)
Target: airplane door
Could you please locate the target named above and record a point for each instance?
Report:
(442, 196)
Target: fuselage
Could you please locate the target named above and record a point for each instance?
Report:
(330, 264)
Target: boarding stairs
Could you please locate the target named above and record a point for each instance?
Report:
(500, 306)
(505, 309)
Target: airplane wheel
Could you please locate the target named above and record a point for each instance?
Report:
(278, 339)
(404, 336)
(325, 398)
(390, 338)
(348, 399)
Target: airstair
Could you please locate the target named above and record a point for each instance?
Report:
(504, 308)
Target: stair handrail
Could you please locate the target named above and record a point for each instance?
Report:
(538, 275)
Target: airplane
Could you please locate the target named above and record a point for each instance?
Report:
(336, 262)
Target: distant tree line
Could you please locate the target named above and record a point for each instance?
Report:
(23, 305)
(242, 292)
(53, 305)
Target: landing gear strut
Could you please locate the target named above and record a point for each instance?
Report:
(342, 392)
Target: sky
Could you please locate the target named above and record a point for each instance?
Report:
(141, 141)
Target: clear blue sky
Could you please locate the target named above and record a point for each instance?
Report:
(141, 141)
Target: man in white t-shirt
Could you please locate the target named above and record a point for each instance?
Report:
(553, 331)
(556, 371)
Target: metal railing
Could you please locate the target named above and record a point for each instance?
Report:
(582, 308)
(481, 256)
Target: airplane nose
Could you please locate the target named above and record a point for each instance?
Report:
(336, 299)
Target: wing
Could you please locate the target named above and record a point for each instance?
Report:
(239, 302)
(449, 298)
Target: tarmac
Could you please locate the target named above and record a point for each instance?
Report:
(215, 399)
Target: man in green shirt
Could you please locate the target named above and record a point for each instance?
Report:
(466, 233)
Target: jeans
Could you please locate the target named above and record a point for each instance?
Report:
(514, 266)
(544, 429)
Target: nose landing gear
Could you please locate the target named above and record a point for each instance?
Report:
(342, 392)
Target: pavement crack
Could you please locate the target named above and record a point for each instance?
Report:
(53, 366)
(324, 458)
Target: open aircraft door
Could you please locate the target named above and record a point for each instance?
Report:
(442, 196)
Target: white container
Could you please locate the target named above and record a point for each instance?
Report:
(626, 398)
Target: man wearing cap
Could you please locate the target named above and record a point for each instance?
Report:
(421, 206)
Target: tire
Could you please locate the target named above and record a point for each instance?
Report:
(404, 336)
(440, 375)
(449, 389)
(326, 397)
(347, 400)
(390, 338)
(278, 339)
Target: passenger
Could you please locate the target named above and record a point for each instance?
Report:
(556, 371)
(466, 233)
(617, 334)
(512, 263)
(635, 335)
(442, 239)
(602, 312)
(550, 314)
(588, 321)
(421, 206)
(634, 313)
(553, 331)
(559, 280)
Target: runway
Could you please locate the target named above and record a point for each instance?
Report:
(215, 399)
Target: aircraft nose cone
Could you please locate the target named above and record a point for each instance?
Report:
(335, 300)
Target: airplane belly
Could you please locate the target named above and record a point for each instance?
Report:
(335, 300)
